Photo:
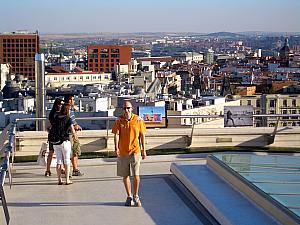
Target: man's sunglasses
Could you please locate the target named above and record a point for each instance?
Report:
(126, 108)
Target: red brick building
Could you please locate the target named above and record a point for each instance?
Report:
(103, 58)
(19, 49)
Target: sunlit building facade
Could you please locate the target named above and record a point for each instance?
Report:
(19, 49)
(103, 58)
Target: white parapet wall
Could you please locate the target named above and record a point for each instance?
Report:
(29, 142)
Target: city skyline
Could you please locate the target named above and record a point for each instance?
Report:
(156, 16)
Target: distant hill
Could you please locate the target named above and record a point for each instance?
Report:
(224, 34)
(268, 33)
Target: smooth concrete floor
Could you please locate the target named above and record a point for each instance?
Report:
(98, 196)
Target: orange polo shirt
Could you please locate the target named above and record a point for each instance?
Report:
(129, 132)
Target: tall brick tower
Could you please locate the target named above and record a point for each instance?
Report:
(19, 49)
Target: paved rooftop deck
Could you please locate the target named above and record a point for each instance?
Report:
(98, 197)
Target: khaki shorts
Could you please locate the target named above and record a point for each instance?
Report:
(76, 150)
(125, 162)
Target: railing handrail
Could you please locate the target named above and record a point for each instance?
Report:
(5, 166)
(168, 116)
(9, 149)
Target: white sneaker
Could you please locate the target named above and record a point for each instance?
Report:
(137, 201)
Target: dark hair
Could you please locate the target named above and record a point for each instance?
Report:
(65, 109)
(67, 98)
(55, 108)
(56, 104)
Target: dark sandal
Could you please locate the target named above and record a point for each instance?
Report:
(60, 183)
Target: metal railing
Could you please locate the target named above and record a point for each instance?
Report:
(8, 135)
(8, 150)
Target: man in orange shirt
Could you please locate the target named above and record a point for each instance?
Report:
(129, 130)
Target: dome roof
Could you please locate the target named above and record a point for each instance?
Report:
(285, 50)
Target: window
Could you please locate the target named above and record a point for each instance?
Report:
(115, 55)
(248, 102)
(285, 112)
(284, 103)
(294, 111)
(258, 103)
(115, 50)
(103, 55)
(104, 50)
(95, 50)
(294, 103)
(272, 103)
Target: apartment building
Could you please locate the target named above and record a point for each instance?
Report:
(103, 58)
(60, 79)
(274, 104)
(19, 49)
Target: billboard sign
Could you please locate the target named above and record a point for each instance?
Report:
(238, 116)
(154, 116)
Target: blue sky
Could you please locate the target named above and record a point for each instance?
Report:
(69, 16)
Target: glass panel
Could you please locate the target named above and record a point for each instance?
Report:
(276, 175)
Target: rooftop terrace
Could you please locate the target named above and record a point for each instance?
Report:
(168, 197)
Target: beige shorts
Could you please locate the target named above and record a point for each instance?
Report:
(125, 162)
(76, 149)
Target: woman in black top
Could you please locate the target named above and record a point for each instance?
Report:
(54, 112)
(63, 127)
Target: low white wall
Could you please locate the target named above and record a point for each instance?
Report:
(29, 142)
